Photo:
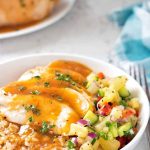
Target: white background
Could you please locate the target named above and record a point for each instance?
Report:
(85, 30)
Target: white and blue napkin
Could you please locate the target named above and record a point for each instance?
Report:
(133, 45)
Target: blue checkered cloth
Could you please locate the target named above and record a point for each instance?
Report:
(133, 45)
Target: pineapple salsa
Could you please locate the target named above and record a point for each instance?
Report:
(113, 122)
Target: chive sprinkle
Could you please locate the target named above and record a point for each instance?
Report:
(35, 92)
(37, 77)
(70, 145)
(32, 108)
(21, 88)
(46, 127)
(64, 77)
(31, 119)
(46, 84)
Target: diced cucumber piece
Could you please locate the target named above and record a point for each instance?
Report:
(91, 117)
(123, 92)
(113, 129)
(78, 130)
(101, 93)
(110, 136)
(134, 103)
(124, 128)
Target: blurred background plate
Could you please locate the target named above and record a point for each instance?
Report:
(62, 9)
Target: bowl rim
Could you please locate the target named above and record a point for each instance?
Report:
(143, 125)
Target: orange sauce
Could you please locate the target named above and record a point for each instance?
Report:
(57, 101)
(6, 29)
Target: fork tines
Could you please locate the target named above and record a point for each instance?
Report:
(138, 72)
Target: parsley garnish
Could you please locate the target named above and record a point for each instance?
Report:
(46, 127)
(35, 92)
(122, 102)
(84, 83)
(21, 88)
(46, 84)
(70, 145)
(108, 124)
(103, 135)
(59, 98)
(37, 77)
(32, 108)
(64, 77)
(31, 119)
(93, 141)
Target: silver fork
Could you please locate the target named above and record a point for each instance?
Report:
(139, 74)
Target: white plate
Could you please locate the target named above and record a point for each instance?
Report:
(11, 70)
(62, 9)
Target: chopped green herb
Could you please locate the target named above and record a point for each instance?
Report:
(31, 119)
(46, 127)
(37, 77)
(122, 102)
(96, 78)
(46, 84)
(70, 145)
(93, 141)
(32, 108)
(59, 98)
(95, 104)
(103, 135)
(35, 92)
(108, 124)
(73, 83)
(129, 133)
(85, 83)
(21, 88)
(64, 77)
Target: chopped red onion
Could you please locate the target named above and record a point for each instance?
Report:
(83, 122)
(92, 135)
(75, 140)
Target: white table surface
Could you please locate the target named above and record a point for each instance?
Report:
(85, 30)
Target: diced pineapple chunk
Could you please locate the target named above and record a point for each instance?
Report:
(86, 146)
(134, 103)
(118, 82)
(111, 95)
(109, 144)
(79, 130)
(96, 145)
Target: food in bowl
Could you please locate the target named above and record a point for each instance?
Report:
(66, 105)
(20, 12)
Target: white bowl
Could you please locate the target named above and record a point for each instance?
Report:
(11, 70)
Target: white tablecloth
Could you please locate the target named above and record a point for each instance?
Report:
(85, 31)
